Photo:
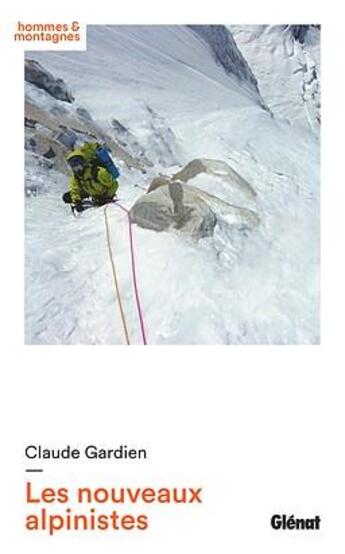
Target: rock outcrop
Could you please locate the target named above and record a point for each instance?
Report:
(129, 142)
(228, 55)
(216, 168)
(175, 205)
(52, 129)
(41, 78)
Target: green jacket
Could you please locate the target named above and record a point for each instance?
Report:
(104, 185)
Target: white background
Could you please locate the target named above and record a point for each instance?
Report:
(260, 428)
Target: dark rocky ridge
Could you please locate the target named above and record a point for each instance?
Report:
(41, 78)
(226, 52)
(50, 132)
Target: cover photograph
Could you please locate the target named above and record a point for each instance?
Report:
(172, 187)
(172, 183)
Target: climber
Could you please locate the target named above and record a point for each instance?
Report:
(94, 175)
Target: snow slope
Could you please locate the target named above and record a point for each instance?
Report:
(167, 87)
(288, 71)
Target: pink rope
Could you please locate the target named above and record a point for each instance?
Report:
(134, 274)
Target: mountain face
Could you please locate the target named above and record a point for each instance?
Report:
(300, 32)
(226, 53)
(286, 62)
(214, 130)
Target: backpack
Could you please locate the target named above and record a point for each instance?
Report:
(98, 156)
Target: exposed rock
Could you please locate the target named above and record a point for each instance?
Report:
(128, 141)
(40, 116)
(217, 168)
(49, 153)
(32, 159)
(84, 114)
(119, 128)
(192, 169)
(229, 213)
(299, 32)
(176, 195)
(174, 206)
(67, 137)
(67, 129)
(32, 143)
(227, 54)
(59, 111)
(171, 203)
(188, 209)
(30, 123)
(158, 182)
(69, 126)
(41, 78)
(48, 148)
(160, 140)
